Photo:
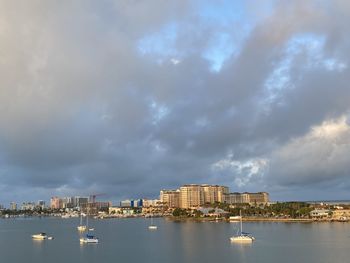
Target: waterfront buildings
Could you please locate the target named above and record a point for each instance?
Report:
(55, 202)
(28, 206)
(195, 195)
(170, 198)
(320, 213)
(151, 202)
(341, 214)
(68, 202)
(247, 198)
(214, 193)
(191, 195)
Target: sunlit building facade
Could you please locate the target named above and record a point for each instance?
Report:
(170, 198)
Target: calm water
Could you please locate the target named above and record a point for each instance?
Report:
(129, 240)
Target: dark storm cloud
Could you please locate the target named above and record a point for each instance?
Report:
(84, 107)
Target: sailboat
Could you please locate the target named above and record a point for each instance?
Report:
(81, 227)
(88, 238)
(242, 237)
(152, 226)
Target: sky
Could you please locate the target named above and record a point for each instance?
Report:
(125, 98)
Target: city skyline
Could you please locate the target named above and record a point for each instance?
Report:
(102, 97)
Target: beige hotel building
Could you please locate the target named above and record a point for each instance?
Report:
(195, 195)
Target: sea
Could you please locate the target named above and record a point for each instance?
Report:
(130, 240)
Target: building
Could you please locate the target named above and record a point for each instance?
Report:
(214, 193)
(137, 203)
(247, 198)
(341, 214)
(194, 195)
(151, 203)
(258, 198)
(170, 198)
(233, 198)
(125, 203)
(191, 196)
(28, 206)
(41, 204)
(55, 202)
(320, 213)
(13, 206)
(78, 201)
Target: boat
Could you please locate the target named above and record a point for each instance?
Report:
(65, 216)
(242, 237)
(40, 236)
(152, 226)
(81, 227)
(89, 239)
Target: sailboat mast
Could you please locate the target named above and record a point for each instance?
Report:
(240, 214)
(87, 217)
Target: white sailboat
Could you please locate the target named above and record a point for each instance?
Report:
(242, 237)
(88, 238)
(152, 226)
(81, 227)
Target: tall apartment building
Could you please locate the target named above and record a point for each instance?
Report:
(214, 193)
(170, 198)
(191, 195)
(194, 195)
(55, 202)
(78, 201)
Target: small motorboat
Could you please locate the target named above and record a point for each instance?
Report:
(40, 236)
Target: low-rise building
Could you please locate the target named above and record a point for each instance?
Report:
(247, 198)
(320, 213)
(28, 206)
(341, 214)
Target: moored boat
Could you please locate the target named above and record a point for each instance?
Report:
(242, 237)
(40, 236)
(89, 239)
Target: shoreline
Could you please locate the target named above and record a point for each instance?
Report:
(262, 220)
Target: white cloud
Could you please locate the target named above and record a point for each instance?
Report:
(242, 172)
(320, 155)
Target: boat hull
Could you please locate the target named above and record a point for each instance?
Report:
(242, 239)
(89, 240)
(39, 237)
(81, 228)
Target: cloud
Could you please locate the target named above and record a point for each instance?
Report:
(318, 156)
(126, 98)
